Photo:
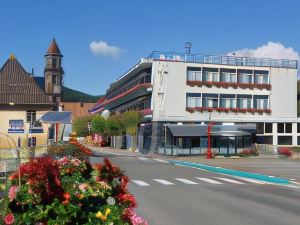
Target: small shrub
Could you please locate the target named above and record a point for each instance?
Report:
(285, 151)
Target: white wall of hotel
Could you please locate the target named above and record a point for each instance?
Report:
(170, 88)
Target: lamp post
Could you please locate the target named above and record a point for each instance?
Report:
(208, 153)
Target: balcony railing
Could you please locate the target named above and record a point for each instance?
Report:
(228, 84)
(235, 110)
(223, 60)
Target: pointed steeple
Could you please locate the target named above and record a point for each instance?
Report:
(53, 49)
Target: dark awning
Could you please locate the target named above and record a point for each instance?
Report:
(217, 130)
(57, 117)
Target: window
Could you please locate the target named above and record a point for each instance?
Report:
(298, 140)
(56, 80)
(280, 127)
(193, 100)
(31, 141)
(245, 78)
(261, 78)
(228, 77)
(285, 140)
(268, 128)
(211, 76)
(227, 102)
(288, 127)
(194, 75)
(54, 62)
(30, 116)
(298, 127)
(262, 104)
(211, 102)
(268, 140)
(244, 103)
(260, 128)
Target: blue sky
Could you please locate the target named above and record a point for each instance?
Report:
(136, 28)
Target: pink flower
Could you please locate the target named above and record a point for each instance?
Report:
(137, 220)
(9, 219)
(82, 187)
(12, 193)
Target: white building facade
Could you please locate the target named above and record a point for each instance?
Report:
(191, 89)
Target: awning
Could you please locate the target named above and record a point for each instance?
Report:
(217, 130)
(57, 117)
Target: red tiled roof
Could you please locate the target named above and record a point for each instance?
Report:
(53, 48)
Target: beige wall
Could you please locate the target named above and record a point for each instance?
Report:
(5, 116)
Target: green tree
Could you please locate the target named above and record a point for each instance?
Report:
(80, 125)
(131, 120)
(99, 125)
(115, 126)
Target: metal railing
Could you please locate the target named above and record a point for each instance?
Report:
(223, 60)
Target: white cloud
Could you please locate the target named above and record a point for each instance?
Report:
(274, 50)
(104, 49)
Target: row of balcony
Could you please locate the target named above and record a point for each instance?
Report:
(228, 84)
(235, 110)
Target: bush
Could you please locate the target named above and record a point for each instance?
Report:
(69, 191)
(248, 152)
(285, 151)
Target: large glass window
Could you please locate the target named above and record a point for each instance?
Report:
(288, 127)
(245, 78)
(298, 127)
(227, 102)
(285, 140)
(261, 102)
(268, 127)
(193, 100)
(260, 128)
(261, 77)
(211, 102)
(210, 76)
(244, 103)
(194, 75)
(280, 127)
(228, 77)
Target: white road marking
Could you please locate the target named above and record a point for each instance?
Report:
(165, 182)
(229, 180)
(186, 181)
(161, 160)
(140, 182)
(208, 180)
(143, 158)
(251, 180)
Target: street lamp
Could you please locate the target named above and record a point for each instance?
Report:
(210, 124)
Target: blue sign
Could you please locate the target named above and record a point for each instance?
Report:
(36, 127)
(16, 126)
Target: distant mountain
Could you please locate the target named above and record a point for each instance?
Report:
(70, 95)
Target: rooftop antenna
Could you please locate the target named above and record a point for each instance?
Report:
(188, 46)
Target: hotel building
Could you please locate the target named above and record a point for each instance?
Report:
(249, 100)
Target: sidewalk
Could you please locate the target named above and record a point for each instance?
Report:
(285, 168)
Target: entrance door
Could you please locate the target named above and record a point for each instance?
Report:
(223, 146)
(231, 146)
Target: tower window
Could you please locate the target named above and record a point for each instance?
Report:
(56, 80)
(54, 62)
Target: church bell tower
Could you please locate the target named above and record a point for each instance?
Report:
(53, 73)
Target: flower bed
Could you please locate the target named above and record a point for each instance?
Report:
(69, 191)
(285, 151)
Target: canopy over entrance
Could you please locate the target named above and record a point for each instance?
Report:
(57, 117)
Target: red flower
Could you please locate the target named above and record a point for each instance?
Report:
(67, 197)
(127, 200)
(9, 219)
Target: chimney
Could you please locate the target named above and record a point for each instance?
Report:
(32, 72)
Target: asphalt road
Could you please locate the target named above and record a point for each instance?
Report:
(187, 196)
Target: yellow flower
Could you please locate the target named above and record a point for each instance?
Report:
(99, 214)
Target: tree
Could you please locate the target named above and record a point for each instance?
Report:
(99, 125)
(131, 120)
(115, 126)
(80, 125)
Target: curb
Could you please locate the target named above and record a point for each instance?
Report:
(238, 173)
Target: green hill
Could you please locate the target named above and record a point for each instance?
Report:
(70, 95)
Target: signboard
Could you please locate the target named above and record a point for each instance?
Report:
(35, 128)
(16, 126)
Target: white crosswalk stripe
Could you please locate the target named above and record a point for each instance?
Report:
(186, 181)
(165, 182)
(251, 180)
(161, 160)
(143, 158)
(140, 183)
(229, 180)
(208, 180)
